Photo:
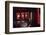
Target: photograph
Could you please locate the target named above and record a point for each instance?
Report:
(24, 17)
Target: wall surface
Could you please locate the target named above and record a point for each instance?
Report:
(2, 18)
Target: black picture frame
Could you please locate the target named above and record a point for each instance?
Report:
(7, 17)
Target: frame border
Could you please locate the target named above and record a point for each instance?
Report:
(7, 16)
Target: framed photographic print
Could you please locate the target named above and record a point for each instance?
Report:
(24, 17)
